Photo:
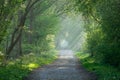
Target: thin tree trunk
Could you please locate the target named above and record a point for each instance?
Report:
(12, 45)
(31, 26)
(18, 30)
(20, 44)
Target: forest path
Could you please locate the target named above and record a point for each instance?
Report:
(65, 68)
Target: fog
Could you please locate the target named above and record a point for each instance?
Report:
(71, 34)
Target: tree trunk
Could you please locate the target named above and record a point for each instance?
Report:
(18, 30)
(15, 38)
(31, 26)
(20, 44)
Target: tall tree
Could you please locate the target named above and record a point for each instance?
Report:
(103, 20)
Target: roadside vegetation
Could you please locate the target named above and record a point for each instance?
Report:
(19, 68)
(102, 24)
(103, 71)
(27, 32)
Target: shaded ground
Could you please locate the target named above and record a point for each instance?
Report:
(65, 68)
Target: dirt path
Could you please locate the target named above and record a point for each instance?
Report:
(65, 68)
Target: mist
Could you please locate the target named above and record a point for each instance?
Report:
(71, 34)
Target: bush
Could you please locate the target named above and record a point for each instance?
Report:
(19, 68)
(103, 71)
(112, 56)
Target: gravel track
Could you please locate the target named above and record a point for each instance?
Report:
(66, 67)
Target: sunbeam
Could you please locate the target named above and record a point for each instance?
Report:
(71, 34)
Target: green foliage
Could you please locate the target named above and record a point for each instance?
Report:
(12, 72)
(102, 28)
(113, 56)
(28, 48)
(19, 68)
(102, 71)
(7, 10)
(42, 35)
(38, 27)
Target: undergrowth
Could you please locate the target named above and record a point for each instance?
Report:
(102, 70)
(19, 68)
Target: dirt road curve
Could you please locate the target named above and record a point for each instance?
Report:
(65, 68)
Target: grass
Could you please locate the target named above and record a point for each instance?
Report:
(103, 71)
(19, 68)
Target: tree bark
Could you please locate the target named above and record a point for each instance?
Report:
(31, 26)
(20, 44)
(18, 30)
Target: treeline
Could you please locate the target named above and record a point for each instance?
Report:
(27, 32)
(102, 23)
(26, 27)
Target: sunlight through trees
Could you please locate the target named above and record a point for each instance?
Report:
(31, 32)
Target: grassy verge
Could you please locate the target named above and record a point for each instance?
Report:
(103, 71)
(19, 68)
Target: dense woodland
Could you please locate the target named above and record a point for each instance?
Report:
(28, 29)
(102, 24)
(103, 29)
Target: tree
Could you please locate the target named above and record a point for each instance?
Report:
(27, 8)
(6, 13)
(105, 16)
